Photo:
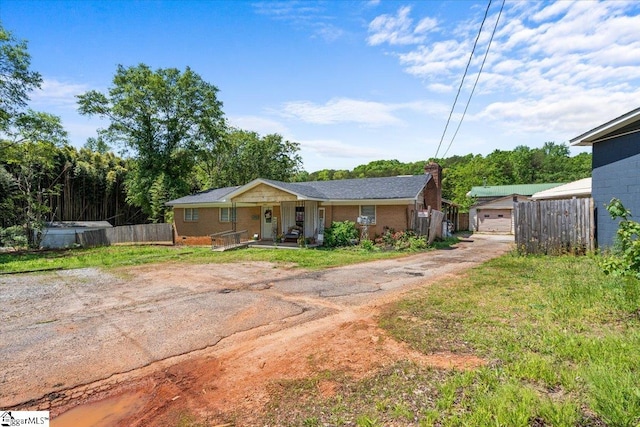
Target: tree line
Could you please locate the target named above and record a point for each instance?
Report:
(173, 139)
(167, 125)
(552, 163)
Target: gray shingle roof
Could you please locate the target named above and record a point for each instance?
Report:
(397, 187)
(207, 196)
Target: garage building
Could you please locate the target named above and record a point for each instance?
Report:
(493, 211)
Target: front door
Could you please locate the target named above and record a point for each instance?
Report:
(269, 222)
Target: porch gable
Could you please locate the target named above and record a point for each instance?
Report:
(263, 193)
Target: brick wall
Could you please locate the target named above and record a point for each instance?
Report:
(433, 197)
(209, 222)
(394, 217)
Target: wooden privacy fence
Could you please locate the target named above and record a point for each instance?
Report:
(142, 233)
(555, 226)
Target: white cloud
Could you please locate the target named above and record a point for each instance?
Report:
(426, 25)
(329, 32)
(330, 148)
(315, 18)
(439, 88)
(560, 113)
(551, 67)
(57, 94)
(552, 11)
(367, 113)
(437, 59)
(399, 29)
(342, 110)
(258, 124)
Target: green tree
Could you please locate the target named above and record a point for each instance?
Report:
(464, 173)
(16, 79)
(30, 156)
(378, 168)
(244, 156)
(166, 118)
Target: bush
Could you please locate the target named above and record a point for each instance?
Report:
(340, 234)
(624, 258)
(368, 245)
(13, 237)
(402, 240)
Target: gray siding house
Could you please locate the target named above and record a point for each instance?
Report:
(615, 170)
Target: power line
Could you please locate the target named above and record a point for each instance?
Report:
(463, 77)
(486, 53)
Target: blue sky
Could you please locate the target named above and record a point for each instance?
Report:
(353, 81)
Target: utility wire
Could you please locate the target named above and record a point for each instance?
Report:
(463, 77)
(477, 78)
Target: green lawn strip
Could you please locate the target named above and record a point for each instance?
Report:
(560, 339)
(117, 256)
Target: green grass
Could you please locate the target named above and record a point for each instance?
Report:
(118, 256)
(560, 339)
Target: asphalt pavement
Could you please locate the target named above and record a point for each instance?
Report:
(63, 329)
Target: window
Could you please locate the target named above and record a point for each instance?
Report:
(227, 214)
(369, 211)
(190, 214)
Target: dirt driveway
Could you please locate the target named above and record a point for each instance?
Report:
(134, 345)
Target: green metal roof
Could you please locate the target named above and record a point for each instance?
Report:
(506, 190)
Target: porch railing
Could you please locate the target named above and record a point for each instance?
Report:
(229, 239)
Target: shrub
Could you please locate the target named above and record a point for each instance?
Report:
(13, 237)
(340, 234)
(368, 245)
(624, 258)
(401, 240)
(417, 243)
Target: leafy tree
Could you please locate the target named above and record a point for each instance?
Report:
(244, 156)
(166, 117)
(458, 179)
(16, 79)
(523, 165)
(379, 168)
(323, 175)
(30, 157)
(501, 167)
(94, 187)
(98, 145)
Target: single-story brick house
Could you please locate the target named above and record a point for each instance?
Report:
(268, 208)
(615, 170)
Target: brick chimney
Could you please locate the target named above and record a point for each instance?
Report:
(433, 196)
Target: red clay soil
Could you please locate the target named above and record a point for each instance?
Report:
(233, 384)
(230, 382)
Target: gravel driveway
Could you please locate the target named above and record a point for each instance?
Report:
(64, 329)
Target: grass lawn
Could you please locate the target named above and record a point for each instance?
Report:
(117, 256)
(560, 339)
